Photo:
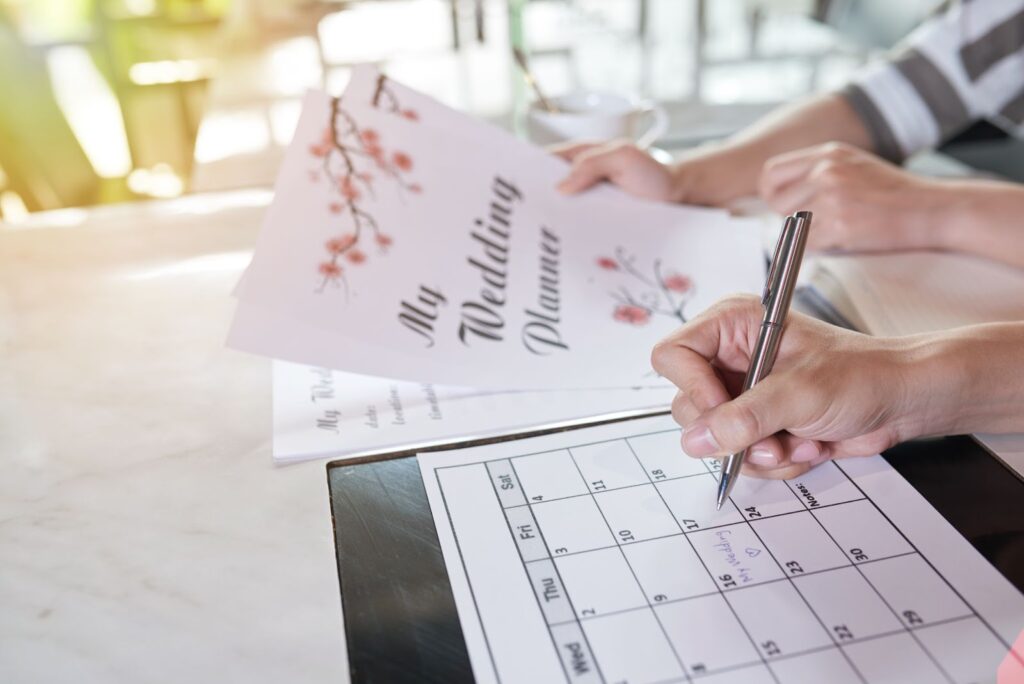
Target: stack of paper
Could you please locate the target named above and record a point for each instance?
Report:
(908, 293)
(429, 260)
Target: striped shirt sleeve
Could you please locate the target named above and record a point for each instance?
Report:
(962, 66)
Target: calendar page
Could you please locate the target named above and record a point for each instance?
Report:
(597, 555)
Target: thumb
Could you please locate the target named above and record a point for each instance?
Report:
(733, 426)
(588, 169)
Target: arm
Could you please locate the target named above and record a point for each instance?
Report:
(983, 218)
(721, 173)
(718, 173)
(833, 393)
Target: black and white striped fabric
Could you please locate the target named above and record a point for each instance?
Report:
(962, 66)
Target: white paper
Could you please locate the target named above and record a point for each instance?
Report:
(323, 413)
(903, 294)
(597, 555)
(447, 255)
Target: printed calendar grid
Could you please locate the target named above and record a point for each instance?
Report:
(767, 653)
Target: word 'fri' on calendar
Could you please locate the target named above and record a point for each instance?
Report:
(597, 555)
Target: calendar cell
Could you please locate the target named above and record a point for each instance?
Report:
(735, 556)
(526, 532)
(547, 585)
(848, 606)
(608, 465)
(913, 589)
(895, 658)
(668, 569)
(824, 485)
(799, 544)
(662, 457)
(631, 647)
(548, 476)
(706, 634)
(599, 582)
(778, 620)
(752, 674)
(505, 483)
(759, 499)
(829, 666)
(692, 502)
(636, 514)
(575, 654)
(572, 525)
(966, 649)
(862, 531)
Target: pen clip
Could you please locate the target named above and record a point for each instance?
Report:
(771, 283)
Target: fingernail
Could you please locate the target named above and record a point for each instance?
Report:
(698, 441)
(762, 457)
(805, 453)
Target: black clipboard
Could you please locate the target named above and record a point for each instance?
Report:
(401, 623)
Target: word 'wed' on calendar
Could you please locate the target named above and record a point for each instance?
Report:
(408, 240)
(597, 555)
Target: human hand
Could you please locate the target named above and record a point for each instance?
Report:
(620, 162)
(860, 202)
(832, 393)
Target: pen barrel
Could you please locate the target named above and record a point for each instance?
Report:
(765, 351)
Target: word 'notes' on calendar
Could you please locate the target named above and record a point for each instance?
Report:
(596, 555)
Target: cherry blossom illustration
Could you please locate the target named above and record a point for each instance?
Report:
(648, 294)
(352, 159)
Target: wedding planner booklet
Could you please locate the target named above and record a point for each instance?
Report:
(320, 413)
(410, 241)
(597, 555)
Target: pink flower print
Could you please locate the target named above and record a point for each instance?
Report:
(335, 207)
(608, 264)
(632, 314)
(384, 241)
(410, 114)
(402, 161)
(365, 177)
(370, 137)
(330, 270)
(340, 244)
(678, 283)
(323, 148)
(348, 189)
(355, 256)
(415, 188)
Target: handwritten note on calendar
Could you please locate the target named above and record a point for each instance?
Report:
(597, 556)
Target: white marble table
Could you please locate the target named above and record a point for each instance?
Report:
(144, 534)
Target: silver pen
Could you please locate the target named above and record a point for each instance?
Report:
(777, 295)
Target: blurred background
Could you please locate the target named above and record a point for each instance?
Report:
(112, 100)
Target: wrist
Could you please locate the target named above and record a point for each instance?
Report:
(936, 384)
(715, 174)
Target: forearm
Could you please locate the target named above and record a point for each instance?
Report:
(738, 159)
(981, 218)
(965, 380)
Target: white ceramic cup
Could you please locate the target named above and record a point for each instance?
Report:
(596, 116)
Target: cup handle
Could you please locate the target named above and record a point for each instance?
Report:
(658, 127)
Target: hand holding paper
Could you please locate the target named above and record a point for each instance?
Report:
(410, 241)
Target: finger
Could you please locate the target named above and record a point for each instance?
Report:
(796, 196)
(684, 412)
(787, 168)
(589, 169)
(766, 454)
(787, 472)
(569, 151)
(770, 406)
